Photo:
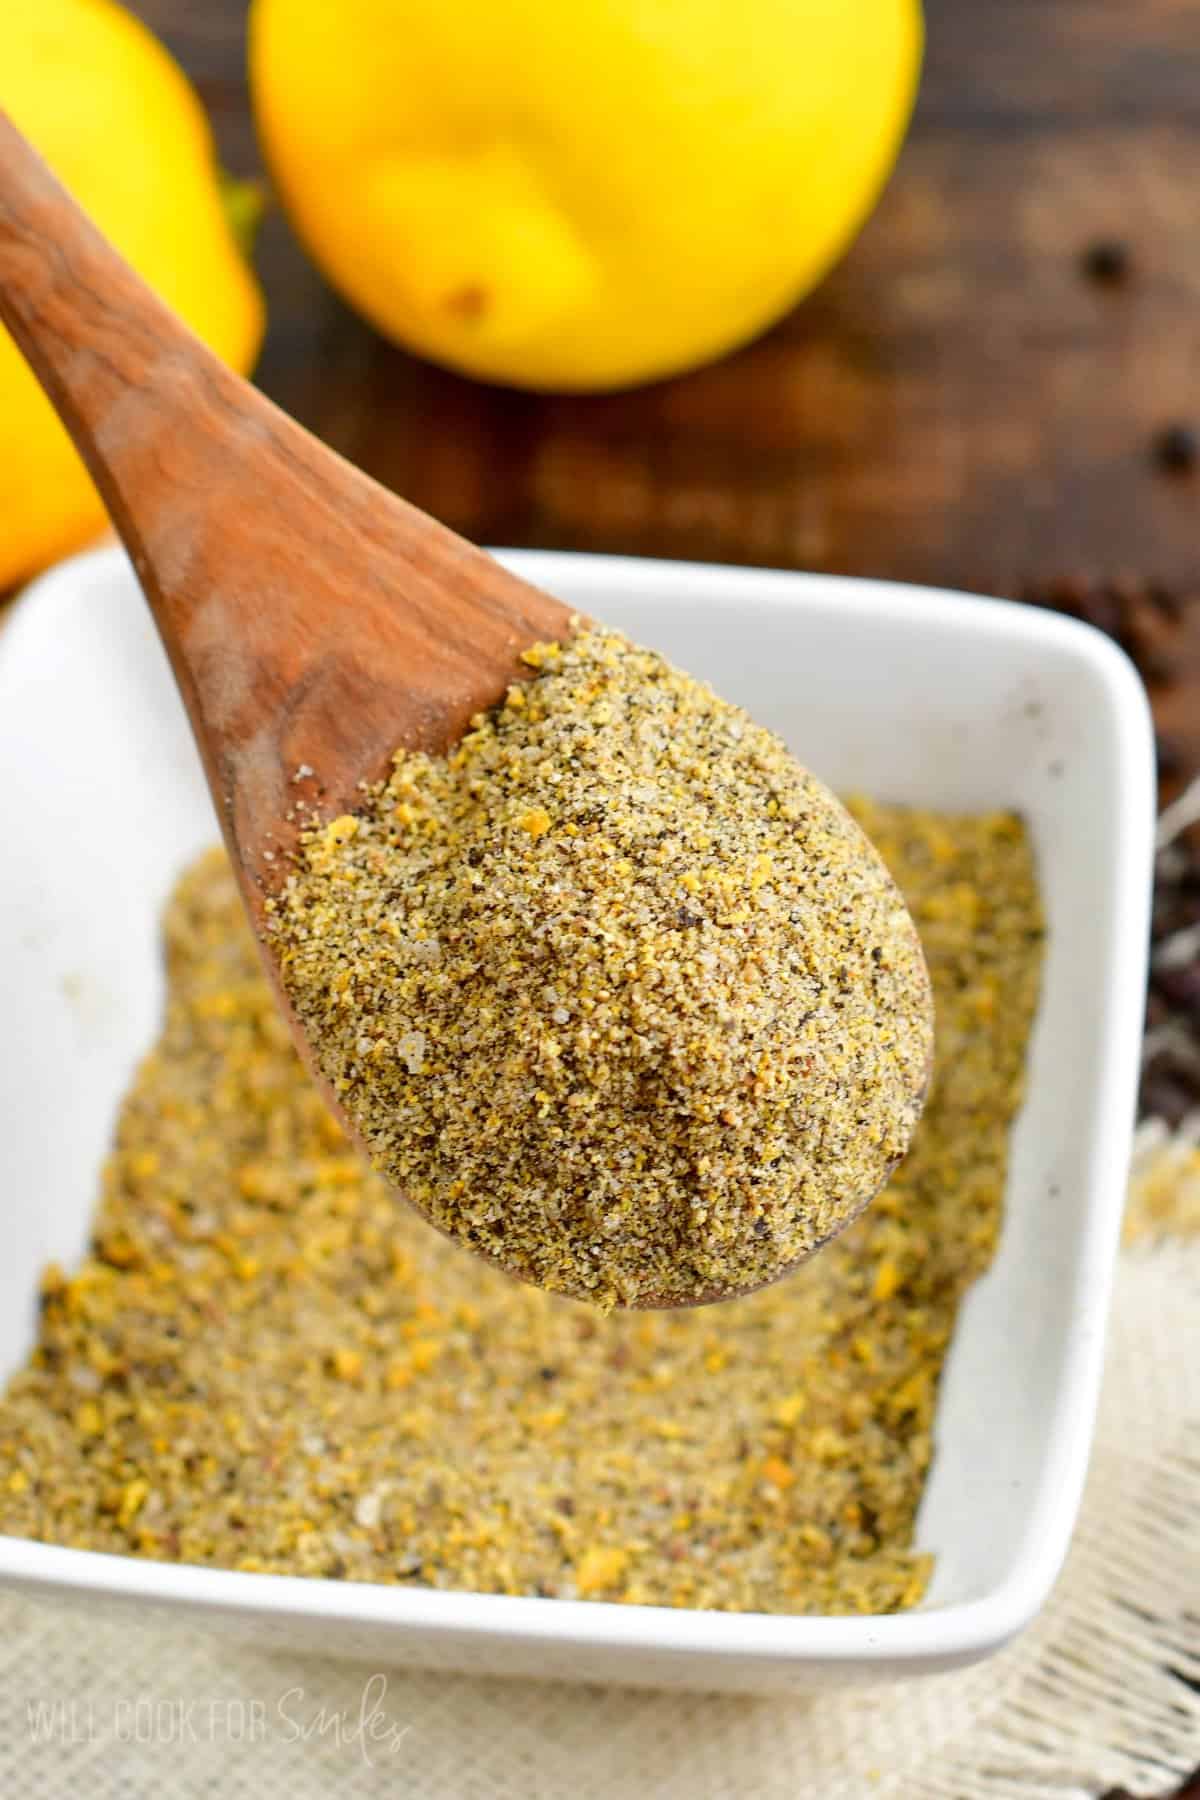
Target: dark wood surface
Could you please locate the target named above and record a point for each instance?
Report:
(955, 404)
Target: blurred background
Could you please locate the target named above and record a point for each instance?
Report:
(957, 403)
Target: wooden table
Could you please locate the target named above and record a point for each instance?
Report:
(957, 403)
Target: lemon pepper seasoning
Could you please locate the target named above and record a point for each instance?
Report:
(260, 1365)
(616, 993)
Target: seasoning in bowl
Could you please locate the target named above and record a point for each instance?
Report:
(263, 1364)
(616, 993)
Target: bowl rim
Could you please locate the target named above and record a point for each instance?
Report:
(962, 1630)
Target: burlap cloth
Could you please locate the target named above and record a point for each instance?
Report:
(1103, 1689)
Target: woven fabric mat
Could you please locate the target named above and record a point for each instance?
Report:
(1104, 1689)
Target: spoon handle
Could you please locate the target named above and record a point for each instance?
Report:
(312, 619)
(122, 372)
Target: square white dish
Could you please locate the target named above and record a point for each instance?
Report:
(911, 694)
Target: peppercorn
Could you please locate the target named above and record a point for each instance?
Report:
(1107, 261)
(1176, 448)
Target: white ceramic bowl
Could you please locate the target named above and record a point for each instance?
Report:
(910, 694)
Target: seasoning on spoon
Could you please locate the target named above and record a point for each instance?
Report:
(616, 992)
(691, 1126)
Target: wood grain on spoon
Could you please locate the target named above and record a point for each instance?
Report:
(313, 620)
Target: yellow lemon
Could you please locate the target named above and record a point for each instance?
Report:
(121, 128)
(580, 193)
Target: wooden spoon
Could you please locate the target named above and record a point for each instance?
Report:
(313, 620)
